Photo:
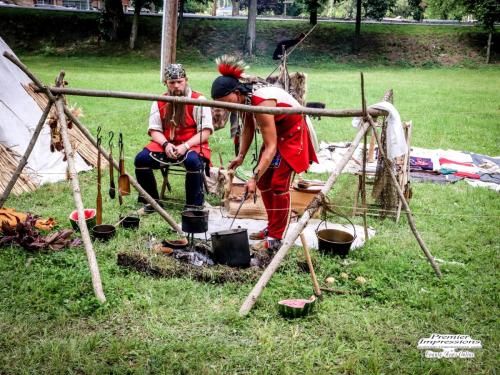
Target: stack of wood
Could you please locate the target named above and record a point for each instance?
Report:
(9, 160)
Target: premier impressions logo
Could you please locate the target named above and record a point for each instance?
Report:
(448, 345)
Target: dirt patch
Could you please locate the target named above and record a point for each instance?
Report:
(164, 266)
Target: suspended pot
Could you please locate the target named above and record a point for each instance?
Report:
(335, 241)
(195, 221)
(231, 247)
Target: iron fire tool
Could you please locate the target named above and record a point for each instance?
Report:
(239, 208)
(112, 187)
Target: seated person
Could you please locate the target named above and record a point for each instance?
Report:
(179, 135)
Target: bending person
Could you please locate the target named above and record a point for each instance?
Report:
(286, 148)
(179, 135)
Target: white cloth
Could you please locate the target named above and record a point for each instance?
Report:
(395, 138)
(218, 222)
(202, 116)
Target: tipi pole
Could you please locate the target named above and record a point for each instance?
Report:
(24, 159)
(73, 176)
(411, 221)
(292, 235)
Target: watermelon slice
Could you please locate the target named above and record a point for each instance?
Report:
(294, 308)
(90, 218)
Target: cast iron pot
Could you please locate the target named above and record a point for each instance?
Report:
(103, 232)
(231, 247)
(195, 221)
(130, 222)
(334, 241)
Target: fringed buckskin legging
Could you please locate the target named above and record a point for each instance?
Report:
(274, 186)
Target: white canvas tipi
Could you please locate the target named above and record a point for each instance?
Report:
(19, 115)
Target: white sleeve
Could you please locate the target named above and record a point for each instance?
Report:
(154, 118)
(203, 117)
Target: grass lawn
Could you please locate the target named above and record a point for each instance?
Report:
(50, 322)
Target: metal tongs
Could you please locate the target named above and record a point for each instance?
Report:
(239, 208)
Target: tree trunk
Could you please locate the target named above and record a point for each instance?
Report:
(236, 8)
(251, 27)
(488, 48)
(358, 18)
(214, 8)
(357, 31)
(135, 25)
(114, 15)
(313, 16)
(181, 15)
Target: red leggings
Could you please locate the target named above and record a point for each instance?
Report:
(274, 186)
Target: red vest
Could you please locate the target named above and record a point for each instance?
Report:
(180, 134)
(294, 142)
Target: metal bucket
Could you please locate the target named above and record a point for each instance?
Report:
(231, 247)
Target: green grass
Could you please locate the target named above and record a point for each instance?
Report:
(51, 323)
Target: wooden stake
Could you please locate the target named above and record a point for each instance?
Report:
(317, 290)
(24, 159)
(291, 236)
(411, 221)
(84, 231)
(363, 176)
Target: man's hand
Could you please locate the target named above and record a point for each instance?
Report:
(236, 162)
(181, 150)
(171, 151)
(250, 188)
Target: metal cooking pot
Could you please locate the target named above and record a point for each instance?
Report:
(231, 247)
(334, 241)
(195, 221)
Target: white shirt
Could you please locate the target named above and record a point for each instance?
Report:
(202, 116)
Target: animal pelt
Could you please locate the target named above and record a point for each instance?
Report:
(297, 85)
(219, 117)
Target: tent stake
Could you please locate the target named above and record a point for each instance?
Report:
(24, 159)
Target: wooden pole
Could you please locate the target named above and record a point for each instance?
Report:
(24, 159)
(218, 104)
(169, 35)
(411, 221)
(317, 290)
(89, 136)
(291, 236)
(73, 176)
(363, 176)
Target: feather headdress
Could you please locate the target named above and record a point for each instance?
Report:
(231, 66)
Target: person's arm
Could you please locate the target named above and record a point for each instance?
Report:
(270, 144)
(245, 141)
